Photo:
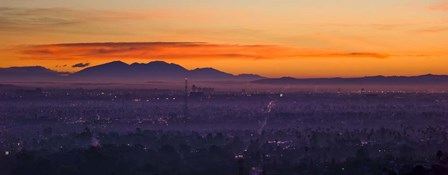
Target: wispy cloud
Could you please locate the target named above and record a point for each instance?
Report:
(434, 30)
(441, 5)
(178, 50)
(50, 18)
(80, 65)
(377, 26)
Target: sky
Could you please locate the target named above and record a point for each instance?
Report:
(275, 38)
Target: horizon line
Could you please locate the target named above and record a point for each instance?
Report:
(266, 77)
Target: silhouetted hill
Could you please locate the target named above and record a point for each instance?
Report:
(209, 74)
(154, 71)
(249, 77)
(31, 73)
(118, 71)
(373, 80)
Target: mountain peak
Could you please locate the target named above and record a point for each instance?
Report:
(250, 77)
(429, 75)
(205, 69)
(115, 63)
(159, 62)
(287, 78)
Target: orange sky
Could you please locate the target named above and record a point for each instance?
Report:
(318, 38)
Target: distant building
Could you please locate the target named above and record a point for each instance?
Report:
(201, 92)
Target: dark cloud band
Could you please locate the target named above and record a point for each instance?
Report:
(179, 50)
(80, 65)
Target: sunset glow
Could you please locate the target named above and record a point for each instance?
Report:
(299, 38)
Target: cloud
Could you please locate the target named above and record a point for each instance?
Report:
(441, 5)
(377, 26)
(12, 18)
(178, 50)
(80, 65)
(434, 30)
(61, 65)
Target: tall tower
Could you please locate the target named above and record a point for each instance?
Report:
(186, 99)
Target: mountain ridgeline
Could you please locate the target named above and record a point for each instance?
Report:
(159, 71)
(29, 73)
(118, 71)
(428, 79)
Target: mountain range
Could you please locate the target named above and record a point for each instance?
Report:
(428, 79)
(118, 71)
(160, 71)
